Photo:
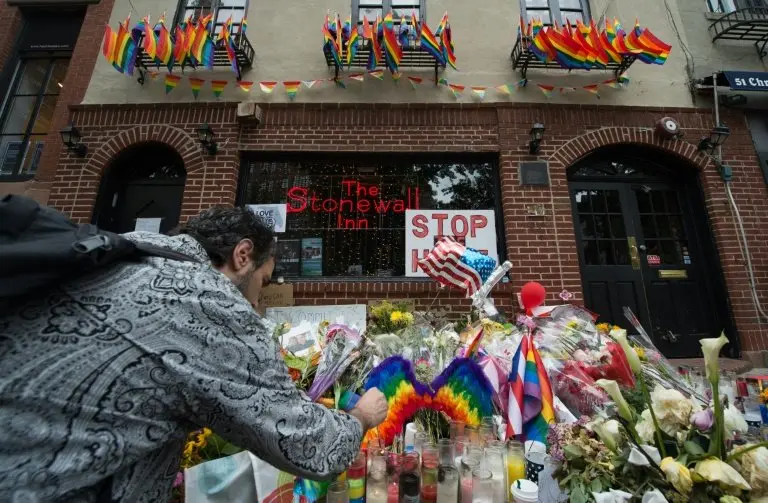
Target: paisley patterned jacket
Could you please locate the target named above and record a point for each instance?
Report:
(102, 378)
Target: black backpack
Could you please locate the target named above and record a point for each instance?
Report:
(41, 247)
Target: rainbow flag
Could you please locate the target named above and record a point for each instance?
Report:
(243, 25)
(267, 86)
(430, 44)
(541, 46)
(447, 43)
(171, 81)
(330, 42)
(442, 25)
(530, 408)
(150, 41)
(610, 30)
(568, 53)
(229, 45)
(339, 37)
(245, 85)
(196, 85)
(378, 74)
(125, 51)
(593, 89)
(218, 87)
(108, 45)
(415, 81)
(164, 54)
(456, 89)
(547, 90)
(607, 46)
(354, 40)
(653, 50)
(292, 88)
(179, 46)
(393, 53)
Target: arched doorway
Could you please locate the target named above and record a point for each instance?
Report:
(644, 242)
(144, 181)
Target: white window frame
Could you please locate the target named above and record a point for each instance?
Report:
(555, 11)
(386, 6)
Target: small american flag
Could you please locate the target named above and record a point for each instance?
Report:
(452, 264)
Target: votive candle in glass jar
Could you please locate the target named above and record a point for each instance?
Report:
(457, 429)
(376, 483)
(494, 461)
(482, 486)
(515, 464)
(430, 460)
(468, 465)
(394, 465)
(410, 480)
(356, 479)
(447, 450)
(447, 484)
(338, 492)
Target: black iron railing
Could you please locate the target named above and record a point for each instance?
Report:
(413, 57)
(523, 59)
(244, 54)
(747, 23)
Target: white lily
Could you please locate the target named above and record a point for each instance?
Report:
(612, 388)
(612, 496)
(608, 432)
(654, 496)
(715, 470)
(620, 335)
(711, 349)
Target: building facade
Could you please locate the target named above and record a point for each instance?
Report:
(608, 210)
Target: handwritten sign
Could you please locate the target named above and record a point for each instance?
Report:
(272, 214)
(148, 224)
(353, 314)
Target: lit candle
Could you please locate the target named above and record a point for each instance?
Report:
(466, 490)
(393, 493)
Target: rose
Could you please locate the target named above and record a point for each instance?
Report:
(703, 420)
(677, 475)
(734, 421)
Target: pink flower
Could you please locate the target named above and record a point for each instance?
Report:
(703, 420)
(179, 481)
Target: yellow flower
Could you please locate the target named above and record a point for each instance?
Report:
(602, 327)
(396, 316)
(715, 470)
(677, 475)
(408, 318)
(640, 352)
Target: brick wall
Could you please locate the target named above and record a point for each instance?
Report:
(541, 248)
(10, 21)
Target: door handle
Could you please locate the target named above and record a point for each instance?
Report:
(642, 248)
(634, 254)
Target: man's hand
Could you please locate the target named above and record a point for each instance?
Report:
(371, 409)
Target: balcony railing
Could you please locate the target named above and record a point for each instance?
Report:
(749, 21)
(244, 54)
(523, 59)
(413, 57)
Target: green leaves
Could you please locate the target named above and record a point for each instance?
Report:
(693, 448)
(573, 452)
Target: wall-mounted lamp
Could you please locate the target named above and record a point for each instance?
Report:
(70, 136)
(717, 137)
(207, 139)
(537, 133)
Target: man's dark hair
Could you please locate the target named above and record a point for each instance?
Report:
(220, 229)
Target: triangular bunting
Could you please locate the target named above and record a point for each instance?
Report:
(291, 88)
(478, 92)
(615, 84)
(218, 87)
(267, 86)
(592, 89)
(624, 79)
(504, 89)
(196, 85)
(309, 83)
(340, 83)
(357, 76)
(442, 82)
(547, 90)
(171, 81)
(396, 76)
(245, 86)
(379, 74)
(456, 89)
(415, 81)
(521, 83)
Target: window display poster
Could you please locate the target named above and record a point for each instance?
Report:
(312, 257)
(288, 257)
(273, 214)
(423, 228)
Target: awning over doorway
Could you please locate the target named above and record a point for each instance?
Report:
(747, 81)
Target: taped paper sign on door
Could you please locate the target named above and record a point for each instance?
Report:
(424, 228)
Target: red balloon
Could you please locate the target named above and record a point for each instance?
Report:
(532, 295)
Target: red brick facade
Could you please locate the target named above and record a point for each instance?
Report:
(541, 248)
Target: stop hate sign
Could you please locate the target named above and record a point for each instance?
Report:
(423, 228)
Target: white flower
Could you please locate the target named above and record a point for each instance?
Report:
(654, 496)
(620, 335)
(734, 421)
(677, 474)
(711, 349)
(754, 467)
(673, 410)
(638, 459)
(608, 432)
(612, 388)
(644, 427)
(715, 470)
(612, 496)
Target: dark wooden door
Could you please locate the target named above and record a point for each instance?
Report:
(149, 199)
(638, 248)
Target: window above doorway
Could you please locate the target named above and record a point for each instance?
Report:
(221, 9)
(369, 9)
(560, 11)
